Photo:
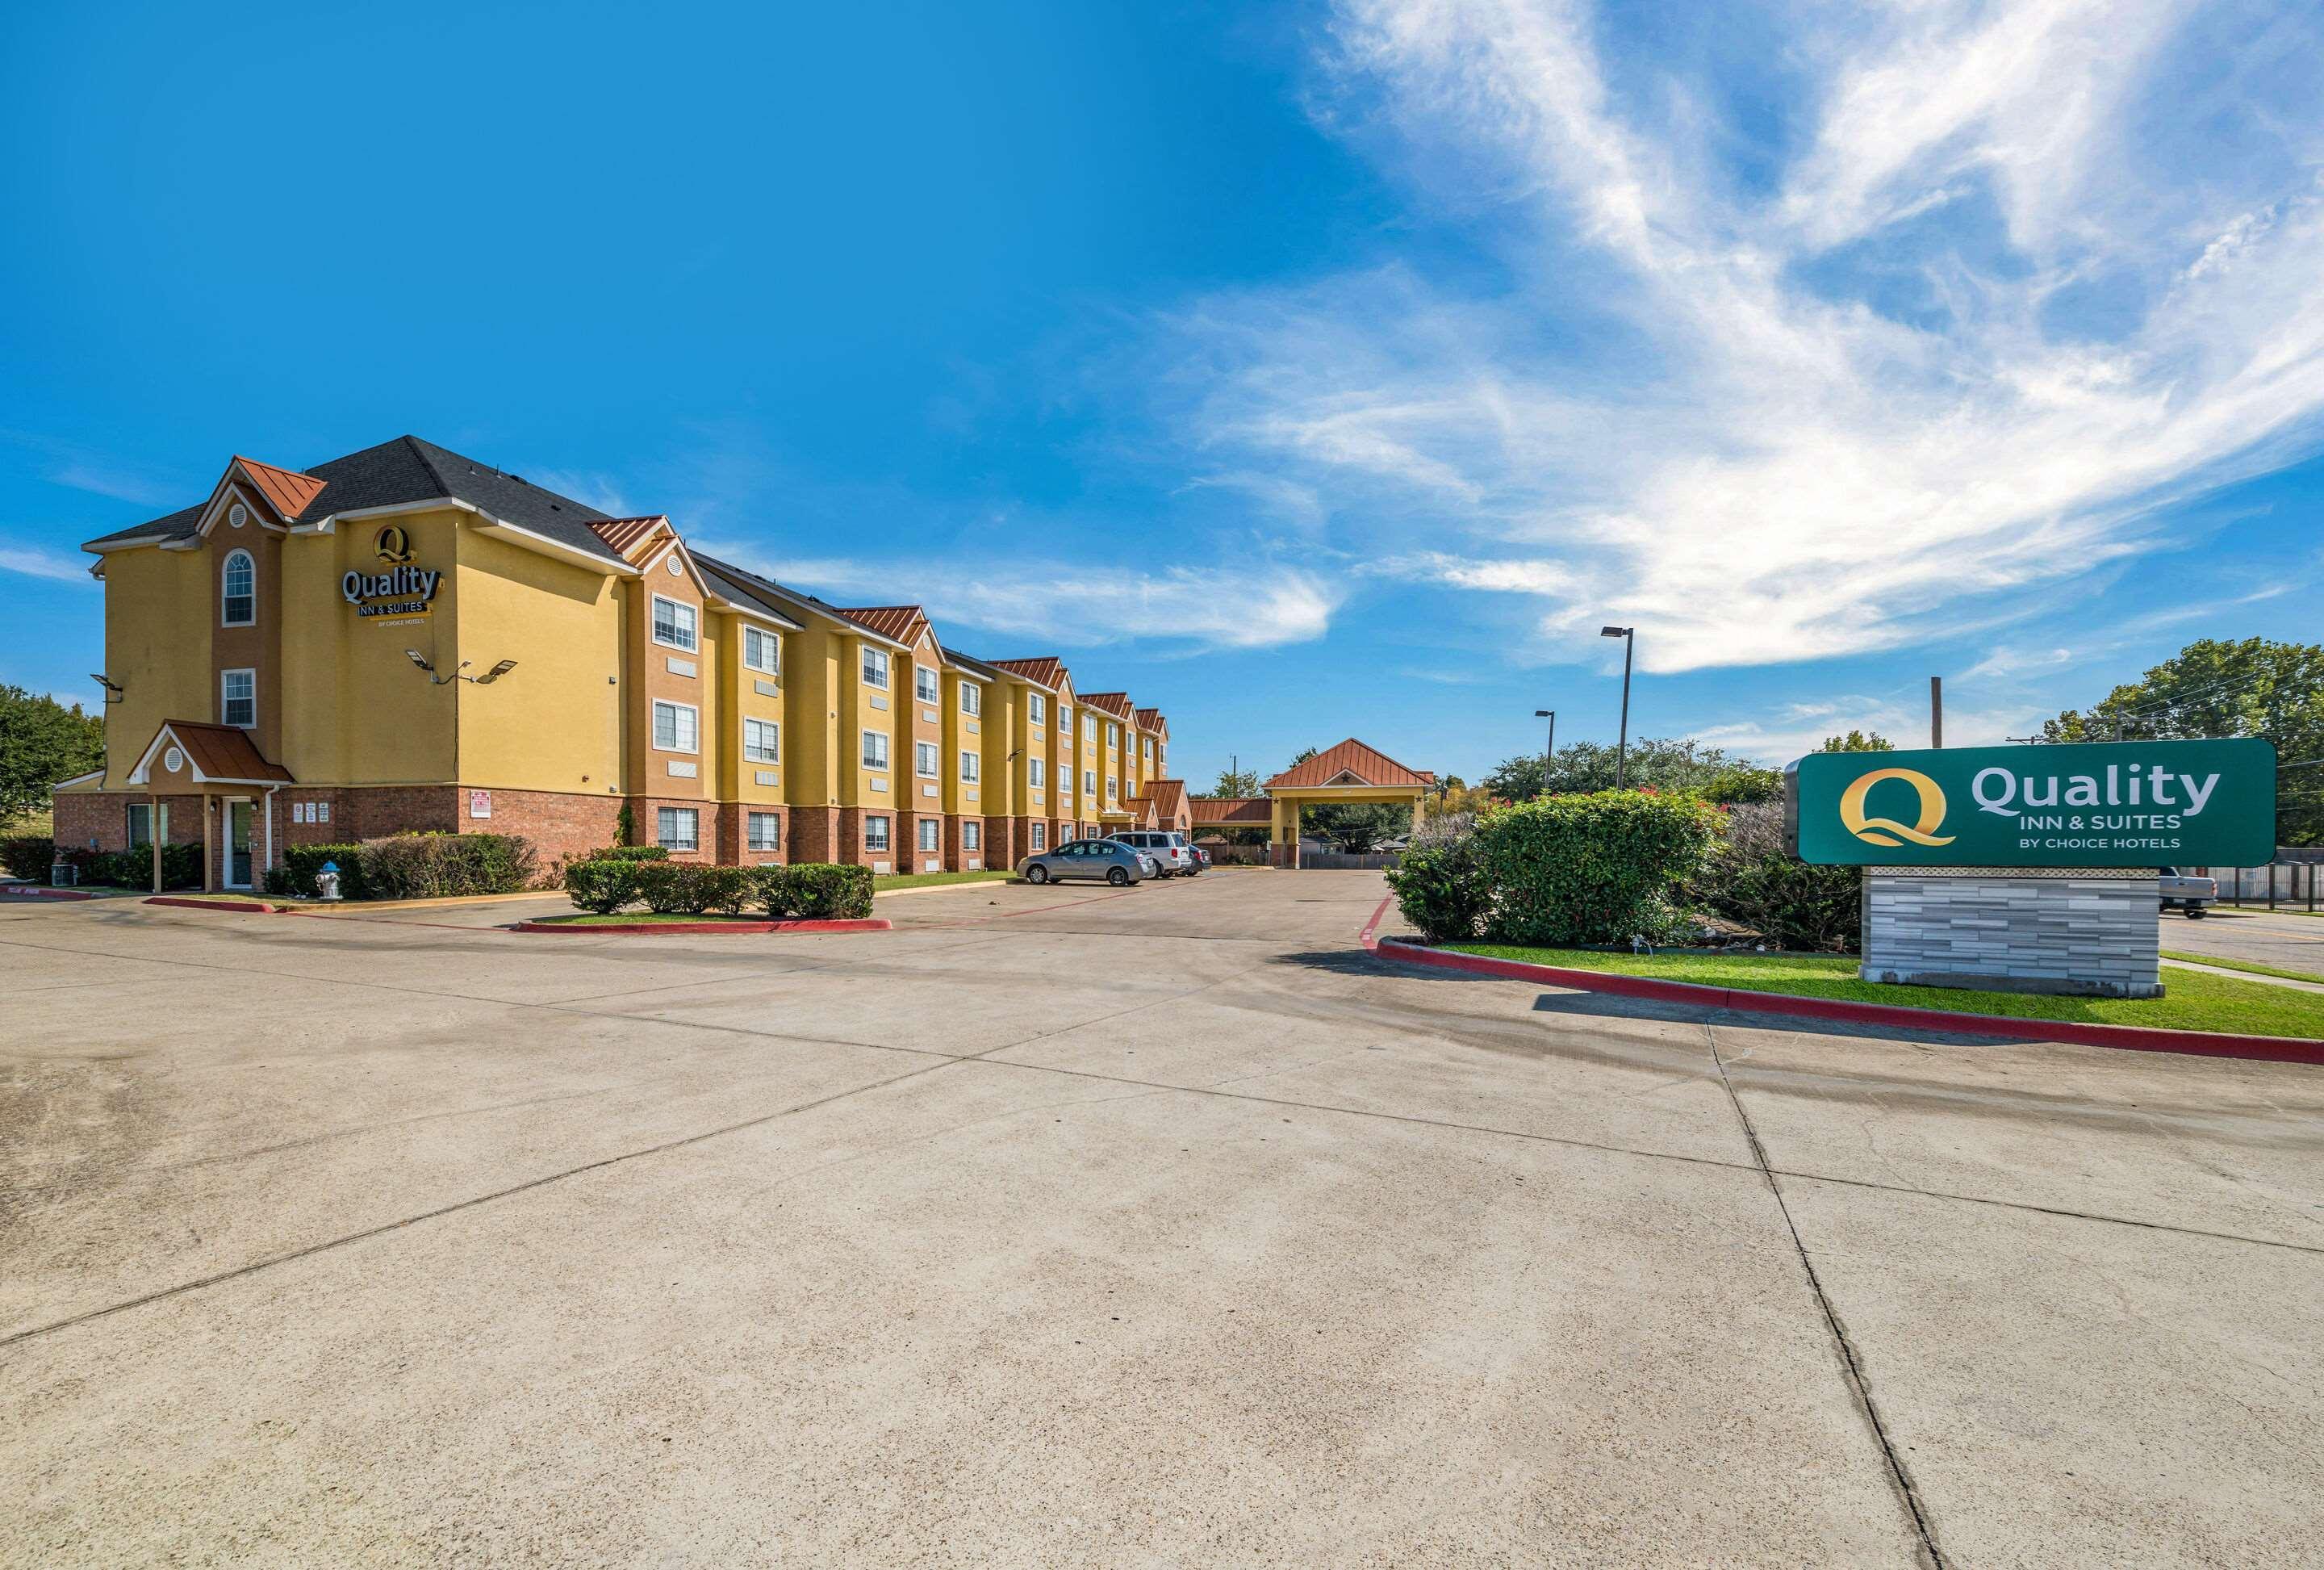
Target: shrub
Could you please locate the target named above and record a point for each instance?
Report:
(817, 891)
(1591, 869)
(661, 885)
(28, 855)
(771, 887)
(1441, 887)
(601, 886)
(422, 866)
(626, 853)
(181, 865)
(1752, 878)
(731, 888)
(295, 878)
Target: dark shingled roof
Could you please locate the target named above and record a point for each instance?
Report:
(408, 469)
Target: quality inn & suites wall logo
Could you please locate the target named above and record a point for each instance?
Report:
(1878, 830)
(394, 545)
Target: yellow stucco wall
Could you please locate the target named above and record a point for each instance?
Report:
(157, 645)
(555, 723)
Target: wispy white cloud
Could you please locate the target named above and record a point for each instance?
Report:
(1967, 344)
(104, 474)
(1069, 606)
(35, 562)
(592, 489)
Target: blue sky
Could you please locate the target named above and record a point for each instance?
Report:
(1310, 371)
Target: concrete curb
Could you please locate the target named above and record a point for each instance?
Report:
(41, 891)
(698, 928)
(248, 907)
(2122, 1037)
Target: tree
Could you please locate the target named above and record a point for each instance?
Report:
(2212, 687)
(1857, 742)
(1669, 763)
(41, 742)
(1236, 783)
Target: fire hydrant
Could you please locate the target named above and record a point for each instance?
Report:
(326, 880)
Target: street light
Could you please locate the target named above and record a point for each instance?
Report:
(1549, 746)
(1622, 747)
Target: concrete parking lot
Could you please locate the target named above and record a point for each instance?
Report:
(2278, 937)
(1073, 1227)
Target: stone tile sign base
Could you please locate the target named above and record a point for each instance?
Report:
(2074, 931)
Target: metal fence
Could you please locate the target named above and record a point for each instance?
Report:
(2289, 882)
(1373, 859)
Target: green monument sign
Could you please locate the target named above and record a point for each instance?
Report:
(2107, 804)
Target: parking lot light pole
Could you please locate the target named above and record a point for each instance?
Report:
(1549, 746)
(1622, 747)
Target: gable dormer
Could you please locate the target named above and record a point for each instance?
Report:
(252, 493)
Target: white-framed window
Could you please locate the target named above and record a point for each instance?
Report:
(875, 666)
(238, 698)
(677, 829)
(762, 742)
(1112, 789)
(972, 766)
(764, 832)
(1036, 708)
(1088, 727)
(932, 835)
(1038, 772)
(676, 726)
(875, 833)
(875, 748)
(238, 591)
(761, 651)
(923, 758)
(1041, 836)
(1150, 746)
(972, 699)
(674, 623)
(1112, 734)
(1066, 719)
(923, 683)
(972, 835)
(1089, 781)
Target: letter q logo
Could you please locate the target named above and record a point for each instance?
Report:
(394, 545)
(1887, 830)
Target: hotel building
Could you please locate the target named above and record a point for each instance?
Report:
(404, 638)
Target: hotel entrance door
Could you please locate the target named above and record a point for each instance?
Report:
(238, 818)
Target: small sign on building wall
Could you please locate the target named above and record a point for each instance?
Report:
(480, 804)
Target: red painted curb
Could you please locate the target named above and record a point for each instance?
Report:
(47, 893)
(686, 928)
(257, 907)
(2123, 1038)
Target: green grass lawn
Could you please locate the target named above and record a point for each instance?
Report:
(881, 885)
(2252, 966)
(2194, 1000)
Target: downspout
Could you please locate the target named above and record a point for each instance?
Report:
(268, 806)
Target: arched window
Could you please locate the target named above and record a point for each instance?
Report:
(238, 597)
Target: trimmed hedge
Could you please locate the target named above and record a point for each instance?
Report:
(295, 878)
(1562, 870)
(427, 866)
(28, 855)
(813, 891)
(181, 866)
(626, 853)
(1441, 889)
(817, 891)
(601, 886)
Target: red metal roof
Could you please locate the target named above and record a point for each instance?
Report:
(1170, 799)
(1231, 811)
(1116, 704)
(1150, 719)
(621, 533)
(287, 491)
(224, 753)
(897, 623)
(1368, 765)
(1048, 669)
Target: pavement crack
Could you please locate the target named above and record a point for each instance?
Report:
(1851, 1362)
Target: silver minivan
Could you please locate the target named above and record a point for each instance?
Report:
(1119, 865)
(1168, 848)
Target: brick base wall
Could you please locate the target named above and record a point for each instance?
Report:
(2089, 934)
(814, 832)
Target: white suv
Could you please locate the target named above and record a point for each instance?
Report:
(1170, 850)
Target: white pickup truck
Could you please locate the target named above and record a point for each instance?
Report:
(2190, 894)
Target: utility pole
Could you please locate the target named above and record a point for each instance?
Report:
(1936, 711)
(1549, 746)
